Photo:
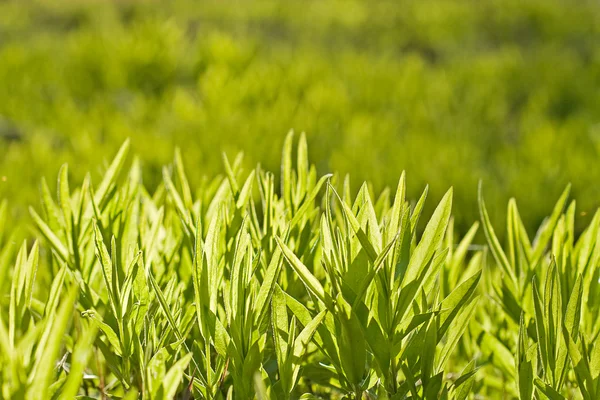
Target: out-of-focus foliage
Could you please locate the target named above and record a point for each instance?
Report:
(450, 91)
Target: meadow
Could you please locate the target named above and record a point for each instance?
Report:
(317, 200)
(450, 91)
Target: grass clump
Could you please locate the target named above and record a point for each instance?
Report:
(250, 288)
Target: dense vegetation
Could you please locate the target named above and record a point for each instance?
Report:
(450, 91)
(252, 287)
(164, 273)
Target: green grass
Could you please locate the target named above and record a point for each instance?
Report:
(252, 287)
(450, 91)
(187, 273)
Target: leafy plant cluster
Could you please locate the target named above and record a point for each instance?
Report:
(506, 87)
(251, 287)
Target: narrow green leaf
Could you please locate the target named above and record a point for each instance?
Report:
(64, 195)
(428, 352)
(261, 302)
(431, 239)
(111, 175)
(173, 378)
(79, 362)
(286, 170)
(540, 328)
(525, 371)
(492, 239)
(545, 234)
(57, 245)
(573, 312)
(455, 332)
(280, 326)
(183, 181)
(305, 275)
(463, 385)
(547, 390)
(44, 369)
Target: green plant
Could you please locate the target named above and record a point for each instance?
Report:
(549, 300)
(244, 288)
(175, 294)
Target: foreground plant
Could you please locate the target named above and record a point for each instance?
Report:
(550, 302)
(243, 289)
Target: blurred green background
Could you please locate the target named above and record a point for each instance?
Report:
(450, 91)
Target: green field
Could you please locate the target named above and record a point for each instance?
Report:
(450, 91)
(163, 236)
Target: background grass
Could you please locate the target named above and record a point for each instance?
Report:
(450, 91)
